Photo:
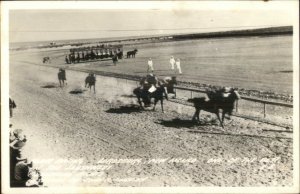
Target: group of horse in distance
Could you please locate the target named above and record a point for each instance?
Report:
(219, 101)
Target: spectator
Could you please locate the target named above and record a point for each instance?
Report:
(12, 105)
(178, 66)
(172, 62)
(150, 65)
(21, 171)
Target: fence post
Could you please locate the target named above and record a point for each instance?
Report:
(264, 110)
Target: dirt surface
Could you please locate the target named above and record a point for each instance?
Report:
(79, 131)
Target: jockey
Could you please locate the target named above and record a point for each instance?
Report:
(148, 83)
(218, 95)
(152, 79)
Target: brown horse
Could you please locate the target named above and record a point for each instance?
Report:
(90, 81)
(61, 77)
(132, 53)
(213, 105)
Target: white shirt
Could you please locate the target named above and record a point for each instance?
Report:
(172, 61)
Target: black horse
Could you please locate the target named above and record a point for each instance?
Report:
(61, 77)
(132, 53)
(46, 60)
(225, 102)
(146, 96)
(90, 81)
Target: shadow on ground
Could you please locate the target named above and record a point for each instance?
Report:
(50, 86)
(77, 91)
(125, 109)
(178, 123)
(128, 96)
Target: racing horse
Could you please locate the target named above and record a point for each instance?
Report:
(61, 77)
(145, 96)
(132, 53)
(46, 60)
(218, 101)
(90, 81)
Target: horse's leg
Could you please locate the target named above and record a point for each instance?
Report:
(140, 102)
(155, 101)
(195, 115)
(162, 104)
(218, 115)
(198, 115)
(94, 89)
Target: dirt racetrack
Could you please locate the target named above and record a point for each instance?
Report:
(84, 139)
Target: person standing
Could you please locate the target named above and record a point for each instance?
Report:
(178, 65)
(172, 62)
(150, 65)
(115, 59)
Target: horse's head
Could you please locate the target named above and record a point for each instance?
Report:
(137, 91)
(234, 93)
(135, 50)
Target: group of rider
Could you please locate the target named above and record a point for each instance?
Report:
(76, 57)
(149, 84)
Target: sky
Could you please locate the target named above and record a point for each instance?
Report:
(26, 25)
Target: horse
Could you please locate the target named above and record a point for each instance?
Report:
(146, 96)
(12, 105)
(90, 81)
(225, 102)
(61, 77)
(46, 60)
(120, 55)
(132, 53)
